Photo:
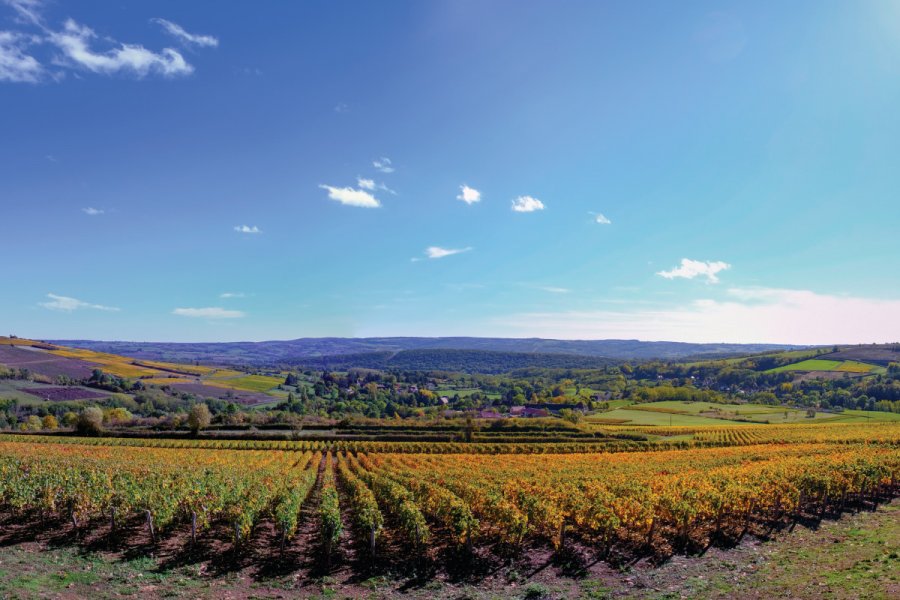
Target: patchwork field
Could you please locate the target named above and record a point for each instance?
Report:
(43, 362)
(703, 413)
(223, 393)
(828, 365)
(51, 361)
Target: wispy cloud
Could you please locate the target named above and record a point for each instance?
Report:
(689, 269)
(27, 11)
(527, 204)
(68, 304)
(192, 39)
(90, 210)
(745, 315)
(247, 229)
(341, 107)
(438, 252)
(74, 41)
(553, 289)
(15, 65)
(75, 45)
(469, 195)
(211, 312)
(602, 219)
(351, 197)
(371, 184)
(383, 164)
(232, 295)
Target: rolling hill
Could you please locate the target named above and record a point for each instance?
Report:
(299, 351)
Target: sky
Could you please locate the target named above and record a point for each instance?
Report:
(690, 171)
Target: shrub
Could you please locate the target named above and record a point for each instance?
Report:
(32, 423)
(90, 421)
(199, 417)
(49, 422)
(70, 419)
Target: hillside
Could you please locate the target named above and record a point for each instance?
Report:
(297, 351)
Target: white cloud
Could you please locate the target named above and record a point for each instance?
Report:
(212, 312)
(527, 204)
(438, 252)
(15, 65)
(247, 229)
(690, 269)
(179, 32)
(232, 295)
(746, 315)
(351, 197)
(601, 219)
(67, 304)
(554, 289)
(383, 164)
(341, 107)
(90, 210)
(468, 195)
(370, 184)
(74, 41)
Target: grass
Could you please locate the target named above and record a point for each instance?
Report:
(248, 383)
(865, 416)
(813, 364)
(11, 391)
(465, 393)
(646, 417)
(706, 413)
(821, 364)
(854, 557)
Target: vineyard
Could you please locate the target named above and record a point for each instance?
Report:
(652, 500)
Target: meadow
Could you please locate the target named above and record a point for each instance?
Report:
(819, 364)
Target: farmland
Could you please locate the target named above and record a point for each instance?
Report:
(819, 364)
(317, 509)
(700, 413)
(249, 383)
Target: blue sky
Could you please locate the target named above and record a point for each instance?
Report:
(704, 171)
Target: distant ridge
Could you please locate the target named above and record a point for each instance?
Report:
(320, 350)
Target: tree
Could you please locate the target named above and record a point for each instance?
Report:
(572, 416)
(49, 422)
(117, 416)
(70, 419)
(32, 423)
(199, 418)
(90, 421)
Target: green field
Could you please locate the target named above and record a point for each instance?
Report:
(864, 416)
(249, 383)
(465, 393)
(813, 364)
(9, 391)
(821, 364)
(645, 417)
(672, 412)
